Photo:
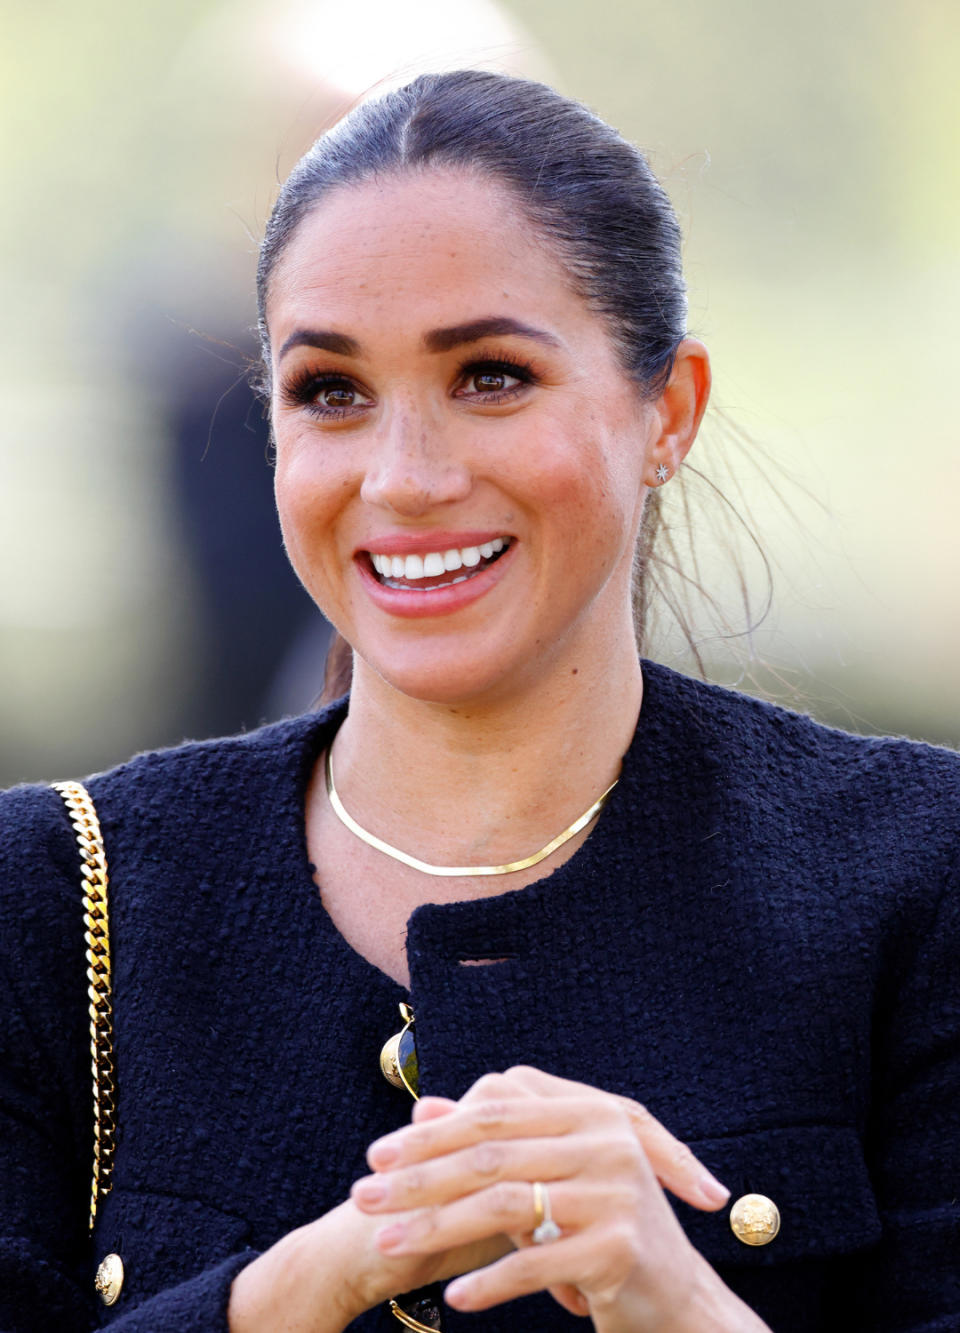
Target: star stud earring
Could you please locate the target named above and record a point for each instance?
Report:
(663, 473)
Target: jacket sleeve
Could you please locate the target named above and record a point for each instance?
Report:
(913, 1282)
(47, 1262)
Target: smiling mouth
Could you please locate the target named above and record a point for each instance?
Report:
(436, 569)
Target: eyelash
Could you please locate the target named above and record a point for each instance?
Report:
(303, 387)
(499, 365)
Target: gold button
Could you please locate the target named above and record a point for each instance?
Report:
(109, 1279)
(755, 1219)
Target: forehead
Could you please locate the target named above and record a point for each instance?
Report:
(420, 249)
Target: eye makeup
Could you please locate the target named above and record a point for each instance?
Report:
(308, 387)
(505, 365)
(305, 387)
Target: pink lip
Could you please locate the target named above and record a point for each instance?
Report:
(434, 601)
(422, 543)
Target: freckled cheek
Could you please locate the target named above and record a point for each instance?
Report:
(597, 519)
(308, 505)
(308, 478)
(315, 561)
(586, 499)
(570, 460)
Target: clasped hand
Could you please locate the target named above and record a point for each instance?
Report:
(462, 1174)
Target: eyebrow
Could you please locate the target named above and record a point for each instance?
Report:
(323, 339)
(495, 326)
(437, 340)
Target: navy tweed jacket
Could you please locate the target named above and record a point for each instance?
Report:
(760, 941)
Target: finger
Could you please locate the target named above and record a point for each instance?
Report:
(571, 1298)
(674, 1164)
(432, 1108)
(506, 1208)
(519, 1274)
(454, 1175)
(501, 1117)
(509, 1116)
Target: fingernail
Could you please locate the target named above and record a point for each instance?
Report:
(390, 1236)
(455, 1292)
(369, 1191)
(712, 1190)
(383, 1153)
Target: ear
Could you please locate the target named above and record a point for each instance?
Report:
(680, 410)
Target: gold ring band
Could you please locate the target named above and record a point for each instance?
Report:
(546, 1230)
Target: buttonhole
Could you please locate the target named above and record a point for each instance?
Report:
(470, 960)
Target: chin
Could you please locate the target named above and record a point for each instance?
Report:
(450, 683)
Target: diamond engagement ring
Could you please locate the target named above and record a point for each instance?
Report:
(545, 1229)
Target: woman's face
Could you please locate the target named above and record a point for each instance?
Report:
(461, 463)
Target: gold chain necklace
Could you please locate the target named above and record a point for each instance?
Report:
(373, 841)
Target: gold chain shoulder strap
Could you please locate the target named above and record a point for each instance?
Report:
(83, 817)
(408, 1320)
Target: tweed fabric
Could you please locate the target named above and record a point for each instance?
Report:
(759, 941)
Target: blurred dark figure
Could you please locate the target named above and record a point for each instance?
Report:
(262, 642)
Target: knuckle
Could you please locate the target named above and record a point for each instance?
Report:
(413, 1182)
(486, 1159)
(489, 1085)
(491, 1113)
(502, 1201)
(683, 1157)
(428, 1221)
(600, 1272)
(615, 1158)
(622, 1252)
(624, 1151)
(627, 1242)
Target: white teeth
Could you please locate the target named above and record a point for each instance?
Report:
(412, 567)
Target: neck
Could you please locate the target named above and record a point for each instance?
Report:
(486, 781)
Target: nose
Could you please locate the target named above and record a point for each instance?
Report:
(413, 467)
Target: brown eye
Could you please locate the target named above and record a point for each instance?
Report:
(338, 395)
(328, 397)
(490, 381)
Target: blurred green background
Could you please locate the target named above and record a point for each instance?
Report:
(814, 156)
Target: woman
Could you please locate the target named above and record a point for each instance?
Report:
(479, 378)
